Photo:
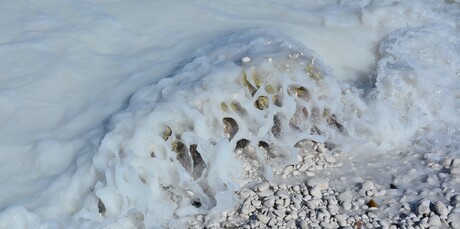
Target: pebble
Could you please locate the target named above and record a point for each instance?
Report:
(269, 201)
(265, 193)
(303, 224)
(456, 162)
(434, 220)
(303, 167)
(341, 220)
(290, 224)
(455, 171)
(367, 186)
(441, 208)
(319, 182)
(345, 196)
(288, 169)
(346, 205)
(262, 186)
(329, 159)
(316, 192)
(454, 219)
(424, 207)
(321, 148)
(246, 59)
(263, 218)
(272, 222)
(313, 204)
(256, 203)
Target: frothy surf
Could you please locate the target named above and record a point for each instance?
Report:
(246, 110)
(170, 154)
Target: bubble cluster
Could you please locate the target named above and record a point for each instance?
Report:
(233, 116)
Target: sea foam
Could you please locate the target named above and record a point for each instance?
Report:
(169, 154)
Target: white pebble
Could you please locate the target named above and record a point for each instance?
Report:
(455, 171)
(329, 159)
(346, 205)
(246, 59)
(345, 196)
(303, 224)
(288, 169)
(454, 219)
(265, 193)
(434, 220)
(424, 207)
(256, 203)
(283, 194)
(319, 182)
(269, 201)
(272, 222)
(441, 208)
(313, 204)
(303, 167)
(367, 186)
(316, 192)
(262, 186)
(290, 224)
(263, 218)
(456, 162)
(321, 148)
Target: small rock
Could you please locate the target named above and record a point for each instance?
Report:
(302, 224)
(454, 219)
(272, 222)
(265, 193)
(269, 201)
(279, 213)
(372, 204)
(283, 194)
(341, 220)
(424, 207)
(321, 148)
(245, 193)
(262, 186)
(318, 182)
(246, 59)
(367, 186)
(263, 218)
(316, 192)
(256, 203)
(345, 196)
(360, 202)
(329, 159)
(303, 168)
(288, 169)
(447, 162)
(346, 205)
(455, 171)
(434, 220)
(441, 208)
(313, 204)
(456, 162)
(290, 224)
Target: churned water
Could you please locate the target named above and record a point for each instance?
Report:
(126, 114)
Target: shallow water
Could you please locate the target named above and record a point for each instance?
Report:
(389, 74)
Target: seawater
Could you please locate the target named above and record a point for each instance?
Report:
(79, 151)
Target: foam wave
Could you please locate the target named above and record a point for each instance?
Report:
(170, 154)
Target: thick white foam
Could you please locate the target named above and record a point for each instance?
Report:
(55, 172)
